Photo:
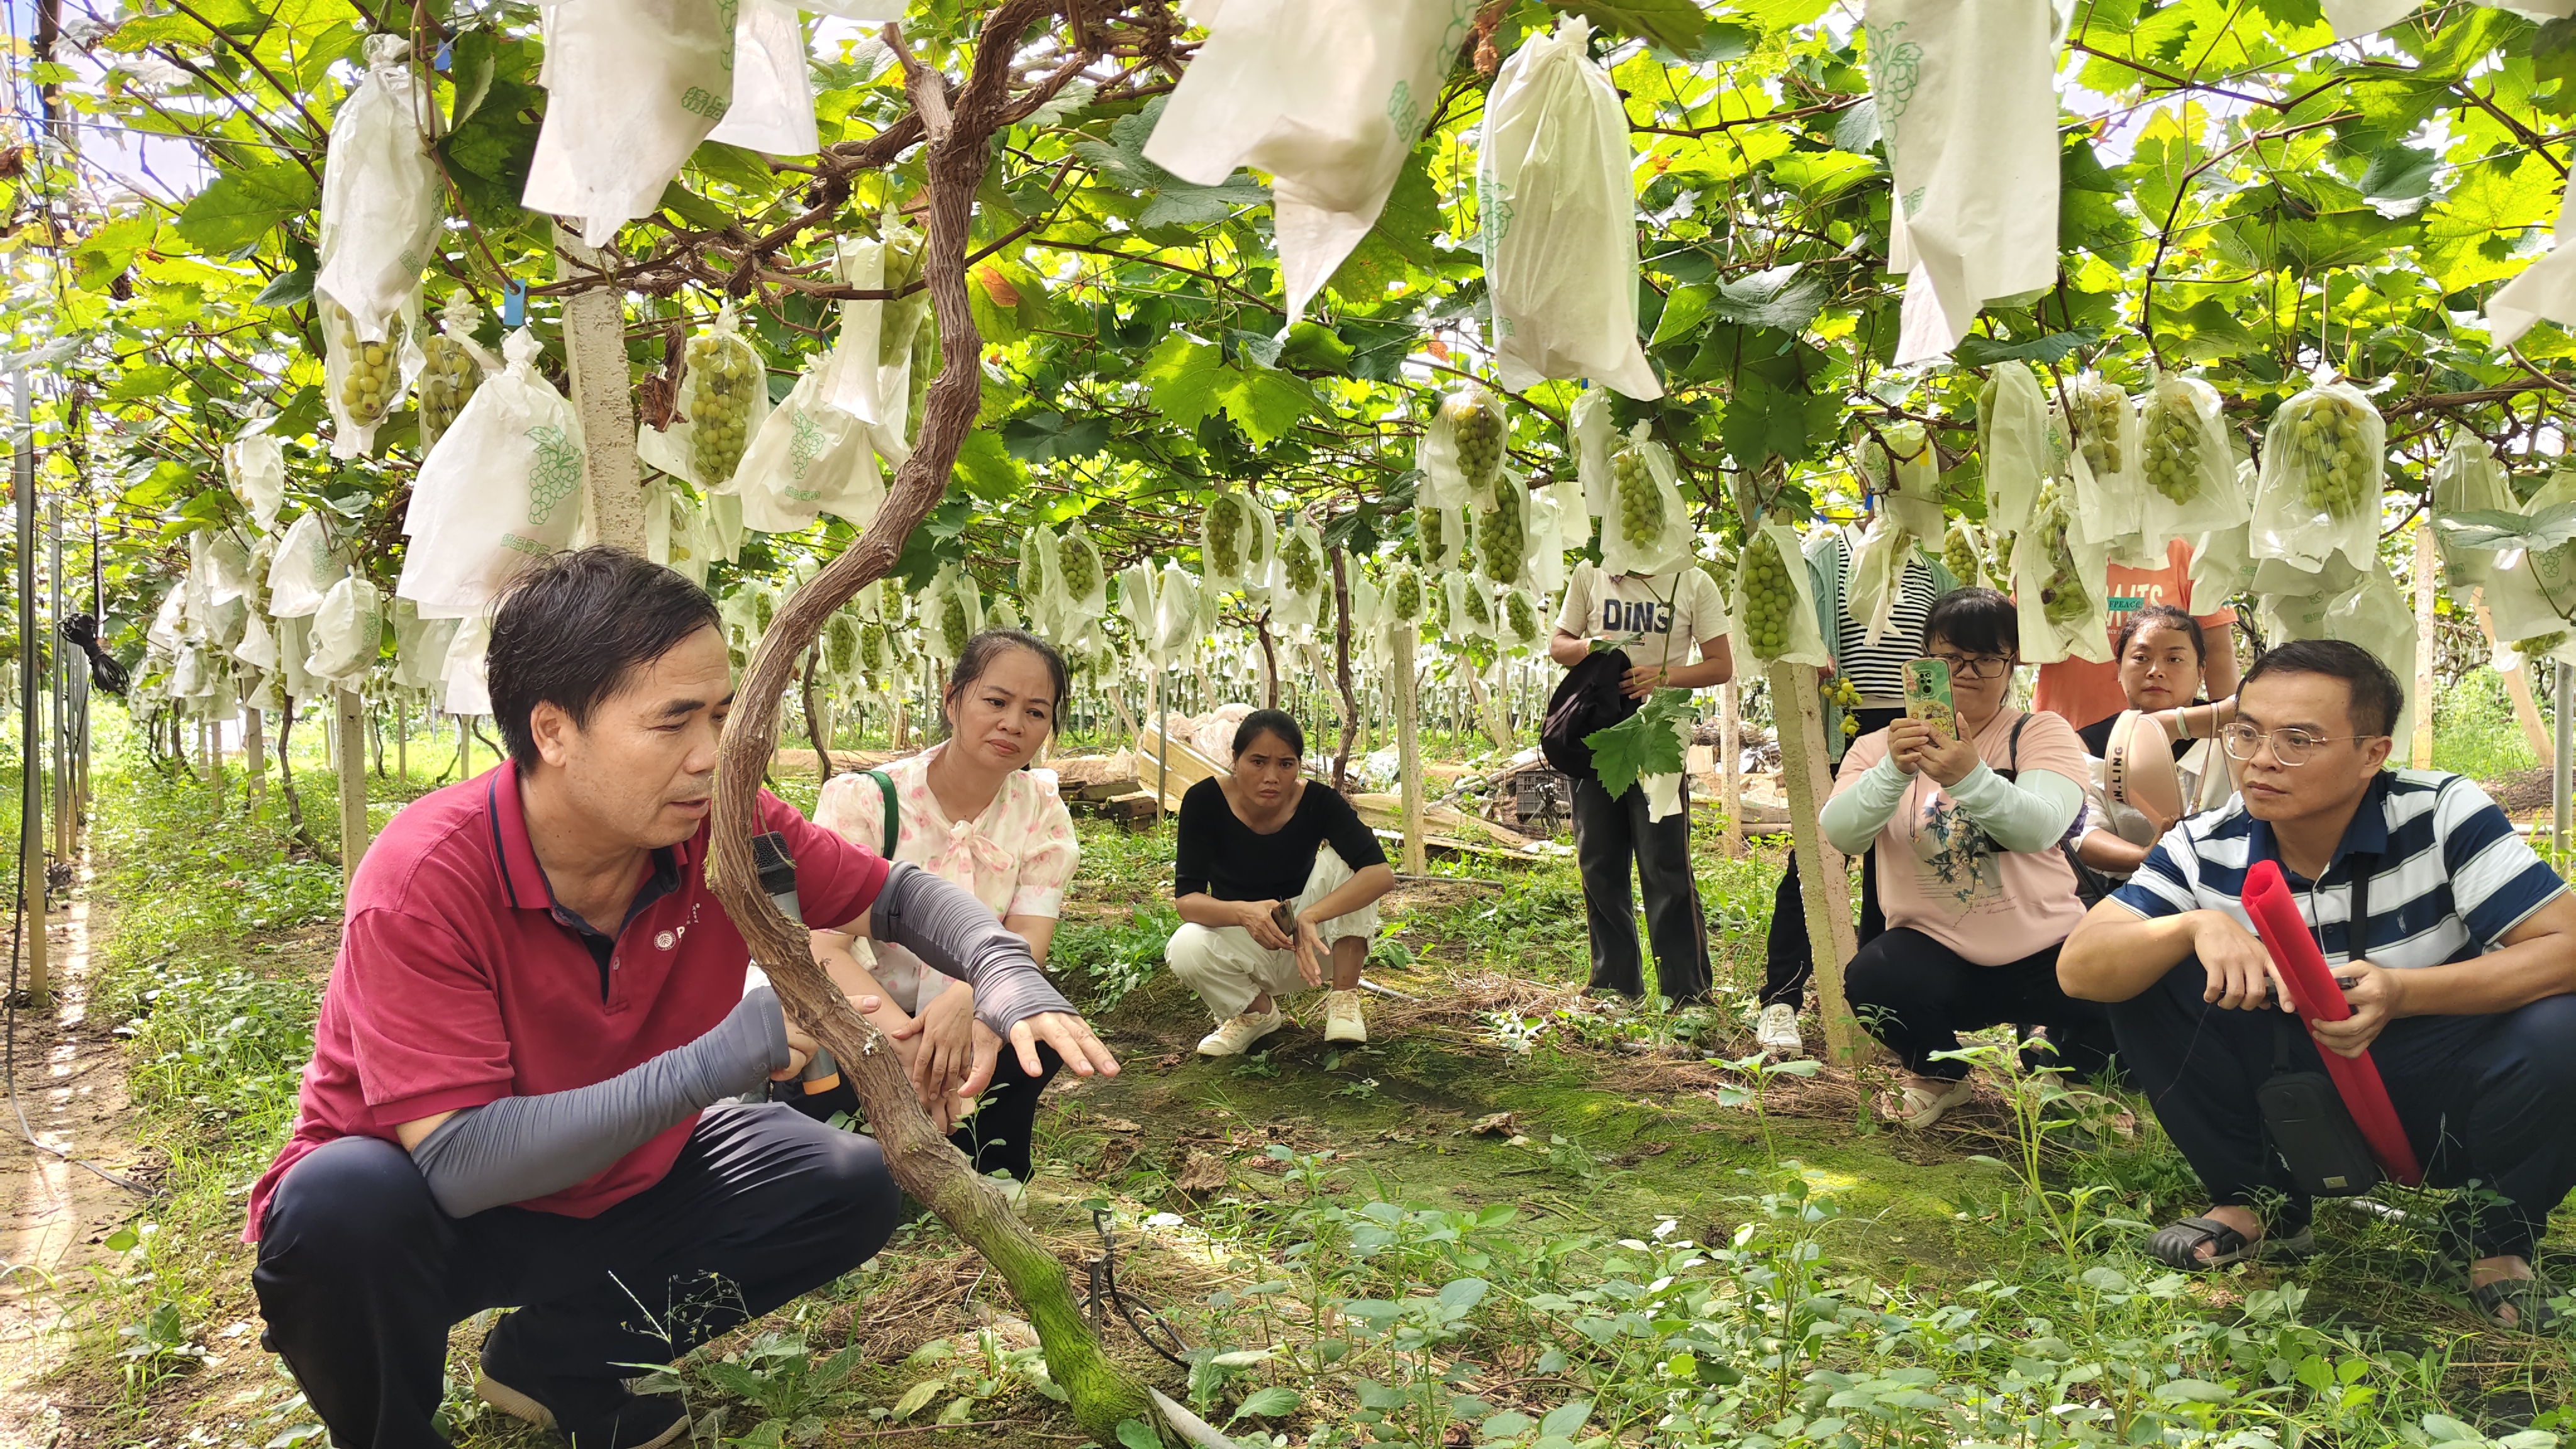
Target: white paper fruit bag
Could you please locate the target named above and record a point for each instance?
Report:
(2020, 447)
(1084, 577)
(1593, 436)
(501, 490)
(2108, 500)
(2467, 480)
(1967, 102)
(1226, 530)
(2545, 291)
(362, 381)
(809, 458)
(1176, 612)
(2318, 493)
(1775, 602)
(452, 366)
(1327, 96)
(255, 467)
(348, 631)
(773, 84)
(303, 569)
(380, 192)
(632, 87)
(1559, 214)
(1647, 530)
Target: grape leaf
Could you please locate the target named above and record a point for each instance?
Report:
(1645, 743)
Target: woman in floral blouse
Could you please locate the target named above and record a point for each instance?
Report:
(968, 811)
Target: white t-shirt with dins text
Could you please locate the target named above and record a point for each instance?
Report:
(1661, 619)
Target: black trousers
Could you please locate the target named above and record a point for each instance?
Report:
(361, 1276)
(1609, 835)
(2483, 1098)
(995, 1139)
(1789, 960)
(1916, 995)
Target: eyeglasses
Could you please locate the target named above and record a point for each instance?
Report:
(1983, 666)
(2291, 746)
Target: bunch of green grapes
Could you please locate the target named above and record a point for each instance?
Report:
(1435, 607)
(1769, 596)
(2062, 599)
(1840, 693)
(2173, 441)
(1255, 552)
(1502, 535)
(1404, 593)
(1476, 425)
(1521, 614)
(1721, 572)
(2336, 474)
(1480, 605)
(2540, 645)
(367, 385)
(873, 655)
(2094, 411)
(1431, 537)
(723, 371)
(953, 632)
(1641, 503)
(1959, 554)
(1078, 565)
(764, 607)
(840, 645)
(1297, 557)
(1223, 527)
(448, 377)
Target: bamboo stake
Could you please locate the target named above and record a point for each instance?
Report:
(1730, 775)
(1822, 870)
(255, 751)
(1408, 746)
(2424, 592)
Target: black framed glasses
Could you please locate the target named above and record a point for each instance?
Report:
(2291, 745)
(1980, 666)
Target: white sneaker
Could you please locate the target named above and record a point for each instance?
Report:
(1234, 1038)
(1777, 1031)
(1342, 1021)
(1923, 1107)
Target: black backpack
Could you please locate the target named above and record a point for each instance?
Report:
(1586, 701)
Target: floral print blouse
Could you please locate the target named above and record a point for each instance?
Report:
(1016, 857)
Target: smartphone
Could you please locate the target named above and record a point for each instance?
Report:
(1285, 919)
(1927, 695)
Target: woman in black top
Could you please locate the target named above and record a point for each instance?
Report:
(1274, 874)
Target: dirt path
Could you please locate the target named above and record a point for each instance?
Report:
(70, 1083)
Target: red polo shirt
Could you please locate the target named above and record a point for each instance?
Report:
(460, 982)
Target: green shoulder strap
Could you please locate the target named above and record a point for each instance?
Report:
(893, 812)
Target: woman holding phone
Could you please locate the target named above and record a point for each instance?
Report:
(1967, 813)
(1278, 881)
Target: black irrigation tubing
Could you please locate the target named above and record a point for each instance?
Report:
(1105, 1294)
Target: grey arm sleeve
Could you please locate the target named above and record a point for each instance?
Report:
(1853, 818)
(958, 935)
(2030, 812)
(526, 1147)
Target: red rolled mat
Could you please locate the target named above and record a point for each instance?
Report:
(2314, 993)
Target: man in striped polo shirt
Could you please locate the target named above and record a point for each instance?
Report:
(2459, 977)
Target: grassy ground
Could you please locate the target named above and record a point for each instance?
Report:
(1514, 1218)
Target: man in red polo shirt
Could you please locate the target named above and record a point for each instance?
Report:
(522, 1078)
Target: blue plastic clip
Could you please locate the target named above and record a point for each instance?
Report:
(514, 302)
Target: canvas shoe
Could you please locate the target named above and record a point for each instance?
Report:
(1234, 1038)
(1342, 1020)
(1777, 1031)
(593, 1414)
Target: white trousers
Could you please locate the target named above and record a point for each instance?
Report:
(1227, 968)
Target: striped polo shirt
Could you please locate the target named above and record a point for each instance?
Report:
(2448, 877)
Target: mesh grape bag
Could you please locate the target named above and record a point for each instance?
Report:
(1647, 531)
(362, 381)
(1462, 449)
(452, 365)
(2191, 476)
(724, 390)
(2318, 492)
(2020, 448)
(2059, 587)
(2108, 503)
(2468, 480)
(1775, 603)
